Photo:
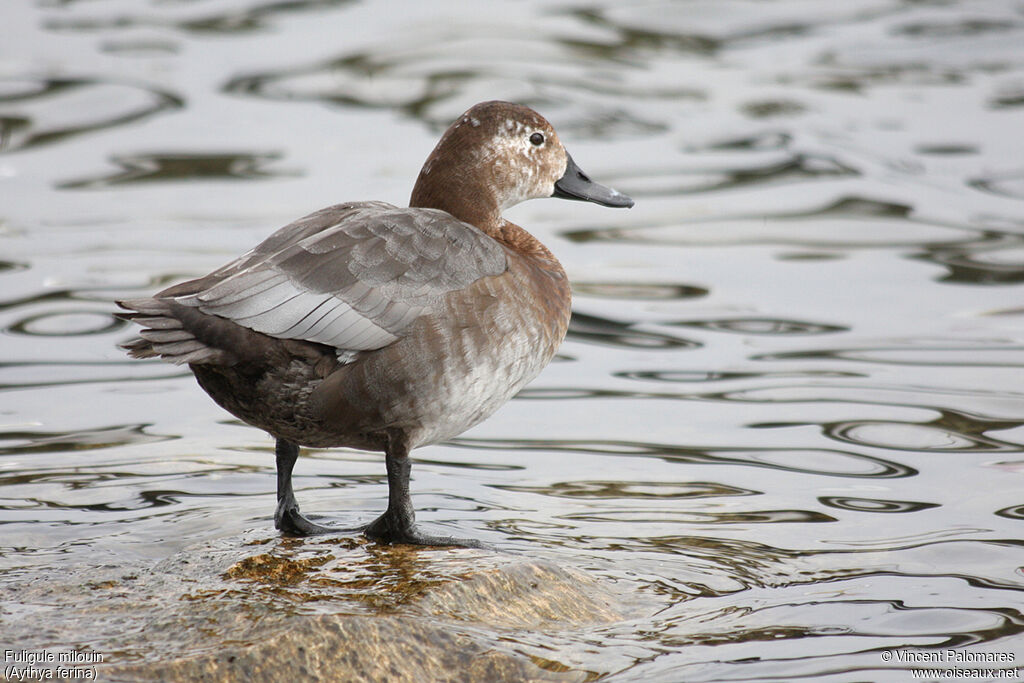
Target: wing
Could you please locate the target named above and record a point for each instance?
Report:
(352, 276)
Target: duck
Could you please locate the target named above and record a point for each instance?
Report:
(370, 326)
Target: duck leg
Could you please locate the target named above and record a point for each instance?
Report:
(398, 523)
(287, 518)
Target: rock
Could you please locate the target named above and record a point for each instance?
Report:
(271, 609)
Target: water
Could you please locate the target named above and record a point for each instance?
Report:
(789, 408)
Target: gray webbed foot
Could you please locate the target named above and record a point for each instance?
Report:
(388, 529)
(290, 522)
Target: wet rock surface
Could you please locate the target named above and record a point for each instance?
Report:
(263, 609)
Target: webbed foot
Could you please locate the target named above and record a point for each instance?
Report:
(290, 522)
(388, 529)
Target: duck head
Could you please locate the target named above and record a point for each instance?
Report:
(497, 155)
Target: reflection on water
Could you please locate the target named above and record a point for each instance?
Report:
(593, 328)
(872, 505)
(256, 16)
(788, 412)
(763, 326)
(637, 290)
(140, 168)
(845, 463)
(25, 442)
(52, 110)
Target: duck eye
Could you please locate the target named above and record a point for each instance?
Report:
(537, 139)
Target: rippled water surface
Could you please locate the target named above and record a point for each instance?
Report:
(789, 409)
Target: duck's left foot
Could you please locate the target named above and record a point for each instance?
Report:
(386, 529)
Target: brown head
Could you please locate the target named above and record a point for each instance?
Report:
(496, 155)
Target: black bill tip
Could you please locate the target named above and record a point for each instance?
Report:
(575, 184)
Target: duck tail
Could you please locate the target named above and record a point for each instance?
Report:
(163, 334)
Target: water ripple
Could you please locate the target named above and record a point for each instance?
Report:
(16, 375)
(807, 461)
(874, 504)
(255, 17)
(431, 75)
(50, 110)
(696, 376)
(750, 563)
(178, 166)
(767, 326)
(659, 490)
(644, 291)
(707, 174)
(1012, 512)
(21, 442)
(654, 516)
(915, 352)
(593, 328)
(938, 435)
(849, 223)
(65, 323)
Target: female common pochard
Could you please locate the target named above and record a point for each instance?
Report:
(376, 327)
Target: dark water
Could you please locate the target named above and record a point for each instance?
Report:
(789, 409)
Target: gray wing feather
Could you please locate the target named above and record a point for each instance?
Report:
(351, 276)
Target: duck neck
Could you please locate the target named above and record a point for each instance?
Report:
(461, 195)
(466, 197)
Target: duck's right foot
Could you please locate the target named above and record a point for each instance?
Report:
(290, 522)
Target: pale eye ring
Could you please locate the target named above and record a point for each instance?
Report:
(537, 139)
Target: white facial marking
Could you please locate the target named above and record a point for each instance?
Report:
(523, 163)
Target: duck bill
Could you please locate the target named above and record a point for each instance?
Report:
(575, 184)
